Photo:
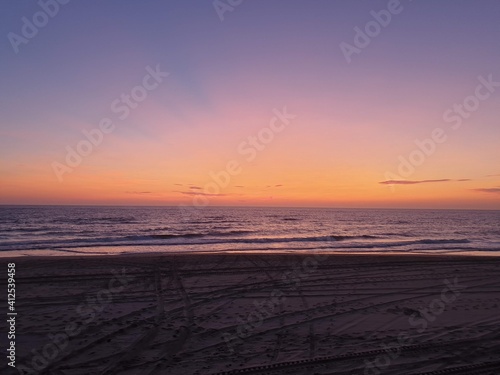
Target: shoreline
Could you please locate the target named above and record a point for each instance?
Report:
(298, 253)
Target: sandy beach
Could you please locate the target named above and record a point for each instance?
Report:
(256, 314)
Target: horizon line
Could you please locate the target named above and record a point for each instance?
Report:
(249, 206)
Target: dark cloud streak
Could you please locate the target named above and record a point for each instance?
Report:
(410, 182)
(488, 190)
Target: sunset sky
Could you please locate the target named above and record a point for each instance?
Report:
(262, 88)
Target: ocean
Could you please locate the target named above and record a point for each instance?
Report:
(81, 230)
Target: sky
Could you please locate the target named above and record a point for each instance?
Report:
(270, 103)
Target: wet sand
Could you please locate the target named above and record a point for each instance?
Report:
(256, 314)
